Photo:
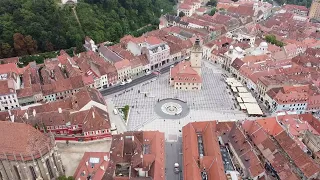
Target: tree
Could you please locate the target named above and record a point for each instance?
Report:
(273, 40)
(80, 48)
(5, 50)
(65, 178)
(213, 11)
(28, 26)
(181, 14)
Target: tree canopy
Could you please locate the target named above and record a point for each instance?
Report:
(32, 26)
(306, 3)
(273, 40)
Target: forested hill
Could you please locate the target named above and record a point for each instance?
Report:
(30, 26)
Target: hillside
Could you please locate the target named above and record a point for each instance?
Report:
(32, 26)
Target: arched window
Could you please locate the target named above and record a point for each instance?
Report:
(55, 160)
(33, 172)
(49, 168)
(17, 172)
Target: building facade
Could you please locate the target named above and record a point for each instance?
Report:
(186, 75)
(315, 9)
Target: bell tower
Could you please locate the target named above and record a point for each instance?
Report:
(196, 56)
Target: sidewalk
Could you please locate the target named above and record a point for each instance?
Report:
(116, 119)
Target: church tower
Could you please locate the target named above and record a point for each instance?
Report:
(196, 56)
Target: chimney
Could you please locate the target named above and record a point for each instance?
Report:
(197, 42)
(93, 116)
(26, 115)
(59, 110)
(12, 118)
(102, 167)
(132, 138)
(87, 163)
(9, 111)
(34, 112)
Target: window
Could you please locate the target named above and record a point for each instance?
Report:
(17, 172)
(33, 173)
(49, 168)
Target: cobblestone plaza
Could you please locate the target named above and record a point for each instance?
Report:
(210, 103)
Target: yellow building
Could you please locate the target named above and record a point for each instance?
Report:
(315, 10)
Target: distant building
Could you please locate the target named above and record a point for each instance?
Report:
(26, 153)
(89, 44)
(137, 155)
(186, 75)
(69, 1)
(315, 9)
(8, 97)
(156, 50)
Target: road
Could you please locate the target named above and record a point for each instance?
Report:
(134, 82)
(174, 155)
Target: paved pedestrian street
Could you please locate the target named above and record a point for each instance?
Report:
(211, 103)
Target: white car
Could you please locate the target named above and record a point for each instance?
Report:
(123, 83)
(148, 72)
(129, 80)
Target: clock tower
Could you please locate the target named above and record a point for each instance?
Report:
(196, 56)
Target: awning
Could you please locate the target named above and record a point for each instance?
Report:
(253, 109)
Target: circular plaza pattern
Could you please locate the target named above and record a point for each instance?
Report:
(172, 108)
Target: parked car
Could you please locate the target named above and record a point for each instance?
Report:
(148, 72)
(176, 168)
(123, 83)
(129, 80)
(115, 111)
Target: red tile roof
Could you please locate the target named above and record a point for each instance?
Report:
(122, 64)
(14, 60)
(308, 167)
(92, 164)
(211, 162)
(144, 149)
(183, 72)
(263, 142)
(245, 152)
(22, 140)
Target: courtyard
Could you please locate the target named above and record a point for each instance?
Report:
(72, 153)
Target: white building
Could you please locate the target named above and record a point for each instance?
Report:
(156, 50)
(231, 55)
(280, 99)
(8, 96)
(89, 44)
(69, 1)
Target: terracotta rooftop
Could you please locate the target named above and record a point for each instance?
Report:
(211, 162)
(125, 63)
(22, 140)
(6, 87)
(183, 72)
(10, 60)
(308, 167)
(142, 150)
(93, 165)
(261, 139)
